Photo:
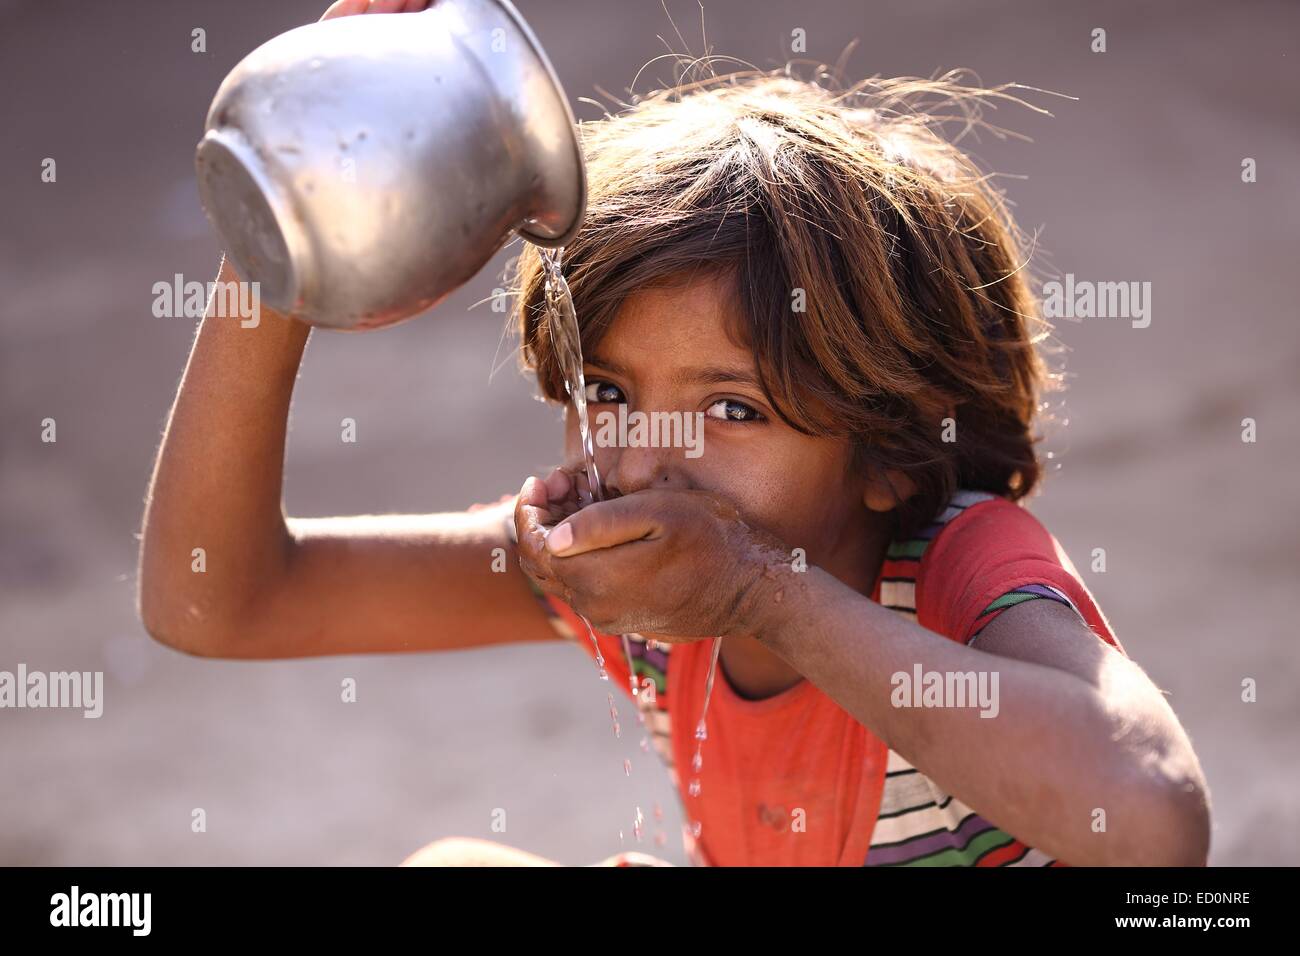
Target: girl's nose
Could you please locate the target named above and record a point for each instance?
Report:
(638, 469)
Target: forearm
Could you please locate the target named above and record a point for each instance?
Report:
(217, 481)
(1057, 750)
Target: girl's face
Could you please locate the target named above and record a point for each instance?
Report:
(668, 351)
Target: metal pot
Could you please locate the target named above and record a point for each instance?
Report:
(362, 168)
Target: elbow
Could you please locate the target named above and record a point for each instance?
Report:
(1173, 824)
(1187, 815)
(180, 626)
(166, 630)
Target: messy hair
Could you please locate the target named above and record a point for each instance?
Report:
(909, 267)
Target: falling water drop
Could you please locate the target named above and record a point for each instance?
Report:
(600, 658)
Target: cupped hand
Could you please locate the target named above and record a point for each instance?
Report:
(678, 565)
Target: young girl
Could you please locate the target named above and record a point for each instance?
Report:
(911, 671)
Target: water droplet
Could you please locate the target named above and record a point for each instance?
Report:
(694, 788)
(697, 762)
(645, 745)
(637, 825)
(696, 828)
(627, 767)
(701, 732)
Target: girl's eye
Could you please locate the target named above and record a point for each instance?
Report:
(728, 409)
(599, 392)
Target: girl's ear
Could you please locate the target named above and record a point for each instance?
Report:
(885, 490)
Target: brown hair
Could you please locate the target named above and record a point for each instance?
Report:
(910, 266)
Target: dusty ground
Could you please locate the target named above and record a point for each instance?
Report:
(1136, 180)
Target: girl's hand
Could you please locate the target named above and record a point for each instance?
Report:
(349, 8)
(678, 565)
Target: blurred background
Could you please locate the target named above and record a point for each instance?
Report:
(1138, 179)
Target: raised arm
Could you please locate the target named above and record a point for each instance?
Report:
(267, 586)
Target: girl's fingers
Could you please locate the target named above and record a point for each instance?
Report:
(531, 514)
(345, 8)
(604, 524)
(351, 8)
(533, 493)
(558, 484)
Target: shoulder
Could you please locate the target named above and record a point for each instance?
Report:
(988, 553)
(983, 526)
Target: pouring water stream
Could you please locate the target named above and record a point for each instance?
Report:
(565, 338)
